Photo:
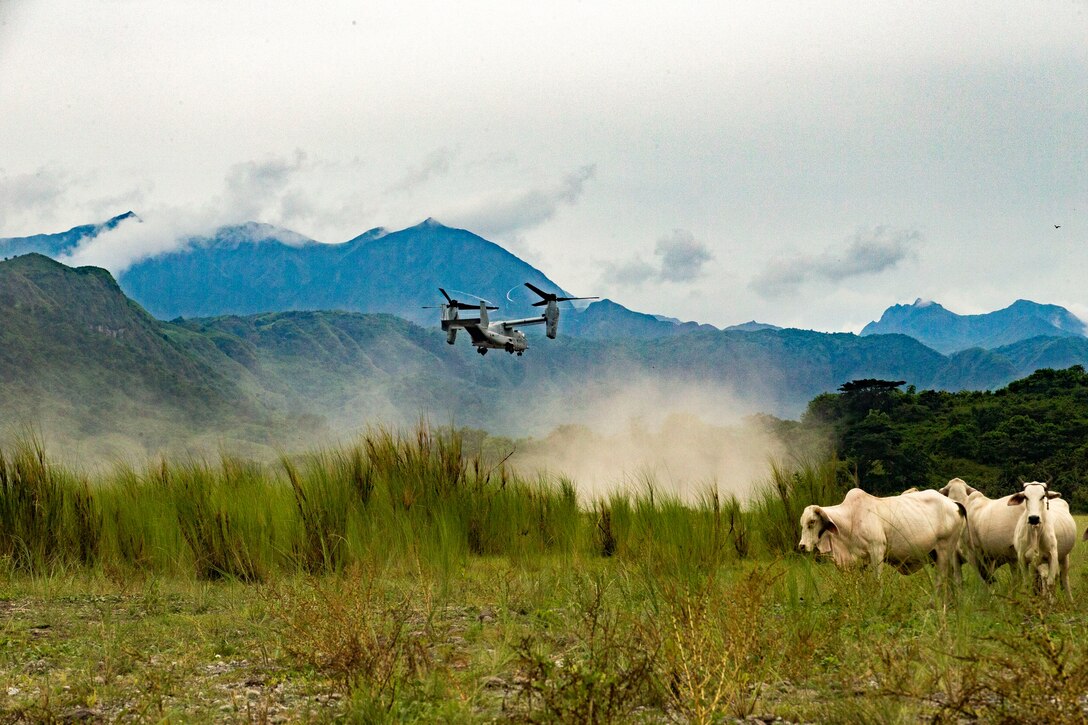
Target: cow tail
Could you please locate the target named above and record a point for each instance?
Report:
(963, 515)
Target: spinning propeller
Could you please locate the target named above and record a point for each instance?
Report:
(459, 305)
(550, 297)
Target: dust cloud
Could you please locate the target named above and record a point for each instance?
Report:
(682, 438)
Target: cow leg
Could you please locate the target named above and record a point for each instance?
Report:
(1023, 571)
(1063, 569)
(876, 558)
(946, 566)
(1051, 572)
(985, 569)
(954, 563)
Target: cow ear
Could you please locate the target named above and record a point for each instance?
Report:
(1053, 494)
(971, 490)
(829, 525)
(943, 491)
(1016, 499)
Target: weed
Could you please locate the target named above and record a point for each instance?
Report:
(604, 675)
(345, 630)
(715, 653)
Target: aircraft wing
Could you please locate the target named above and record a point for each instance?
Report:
(522, 323)
(475, 333)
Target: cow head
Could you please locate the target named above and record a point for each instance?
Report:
(1036, 500)
(958, 490)
(815, 522)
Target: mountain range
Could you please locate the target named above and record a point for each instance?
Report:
(254, 268)
(96, 370)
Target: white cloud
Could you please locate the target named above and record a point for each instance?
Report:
(680, 259)
(436, 163)
(253, 186)
(253, 191)
(38, 193)
(632, 273)
(868, 252)
(502, 215)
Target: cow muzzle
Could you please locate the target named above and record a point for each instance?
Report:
(1033, 520)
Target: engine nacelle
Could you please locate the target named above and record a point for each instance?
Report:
(551, 319)
(449, 313)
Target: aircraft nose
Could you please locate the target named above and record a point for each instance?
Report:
(1033, 520)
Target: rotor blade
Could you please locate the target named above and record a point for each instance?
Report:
(467, 306)
(448, 298)
(546, 295)
(567, 299)
(475, 297)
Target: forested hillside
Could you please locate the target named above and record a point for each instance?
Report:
(1036, 428)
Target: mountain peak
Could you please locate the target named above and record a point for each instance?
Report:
(120, 218)
(751, 326)
(948, 332)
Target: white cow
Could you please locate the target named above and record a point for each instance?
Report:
(1044, 535)
(905, 531)
(1001, 531)
(988, 537)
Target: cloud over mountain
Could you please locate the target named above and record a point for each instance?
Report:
(251, 186)
(505, 214)
(868, 252)
(436, 163)
(39, 192)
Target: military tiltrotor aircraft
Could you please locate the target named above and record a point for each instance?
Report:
(500, 334)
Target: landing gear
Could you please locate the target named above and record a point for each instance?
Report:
(509, 347)
(482, 350)
(519, 353)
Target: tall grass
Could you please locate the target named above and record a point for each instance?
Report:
(387, 497)
(776, 508)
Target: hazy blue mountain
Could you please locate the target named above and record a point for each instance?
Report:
(1045, 352)
(605, 319)
(975, 369)
(54, 245)
(254, 268)
(948, 332)
(258, 268)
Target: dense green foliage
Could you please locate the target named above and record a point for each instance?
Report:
(1036, 428)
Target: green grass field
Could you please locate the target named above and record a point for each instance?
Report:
(402, 579)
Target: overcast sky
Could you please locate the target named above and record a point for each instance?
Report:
(806, 164)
